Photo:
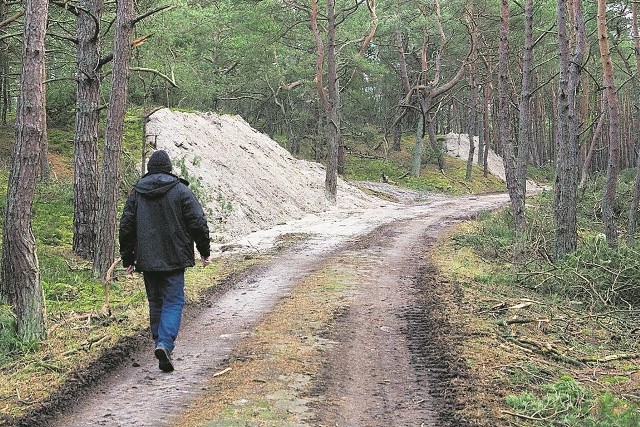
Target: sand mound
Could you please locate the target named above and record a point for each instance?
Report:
(244, 179)
(247, 182)
(458, 146)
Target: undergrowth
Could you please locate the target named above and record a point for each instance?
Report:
(567, 403)
(586, 306)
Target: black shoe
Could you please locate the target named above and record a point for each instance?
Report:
(164, 357)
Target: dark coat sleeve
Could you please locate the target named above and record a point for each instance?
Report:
(196, 223)
(127, 234)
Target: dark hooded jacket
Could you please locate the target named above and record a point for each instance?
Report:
(160, 223)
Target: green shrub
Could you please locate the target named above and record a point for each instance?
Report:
(595, 273)
(567, 403)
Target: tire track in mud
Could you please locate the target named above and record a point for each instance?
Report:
(138, 394)
(390, 366)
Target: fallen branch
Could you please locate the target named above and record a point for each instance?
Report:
(224, 371)
(520, 321)
(610, 358)
(86, 346)
(545, 349)
(106, 308)
(525, 417)
(69, 320)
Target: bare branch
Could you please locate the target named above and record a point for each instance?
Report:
(152, 12)
(11, 19)
(171, 80)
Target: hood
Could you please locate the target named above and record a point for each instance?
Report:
(156, 184)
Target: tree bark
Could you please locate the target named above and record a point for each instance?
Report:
(472, 124)
(472, 127)
(524, 113)
(4, 67)
(20, 286)
(504, 134)
(635, 202)
(406, 89)
(110, 178)
(609, 195)
(85, 140)
(333, 113)
(566, 186)
(595, 137)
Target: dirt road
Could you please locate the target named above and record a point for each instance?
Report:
(373, 357)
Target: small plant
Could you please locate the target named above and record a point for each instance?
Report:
(567, 403)
(8, 341)
(195, 182)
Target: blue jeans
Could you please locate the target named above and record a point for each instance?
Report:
(165, 293)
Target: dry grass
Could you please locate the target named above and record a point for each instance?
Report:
(267, 379)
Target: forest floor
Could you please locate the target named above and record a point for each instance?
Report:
(342, 328)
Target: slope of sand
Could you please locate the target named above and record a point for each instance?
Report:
(245, 180)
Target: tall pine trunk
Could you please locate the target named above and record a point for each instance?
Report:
(609, 195)
(110, 179)
(504, 134)
(566, 185)
(85, 140)
(635, 202)
(333, 112)
(20, 286)
(524, 113)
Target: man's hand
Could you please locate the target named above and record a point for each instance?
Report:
(205, 261)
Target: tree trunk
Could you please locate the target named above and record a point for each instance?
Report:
(472, 124)
(4, 67)
(565, 197)
(419, 147)
(486, 131)
(635, 202)
(85, 140)
(110, 179)
(609, 195)
(524, 113)
(20, 286)
(333, 113)
(595, 137)
(506, 142)
(437, 145)
(406, 89)
(481, 127)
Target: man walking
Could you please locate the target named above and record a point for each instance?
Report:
(161, 221)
